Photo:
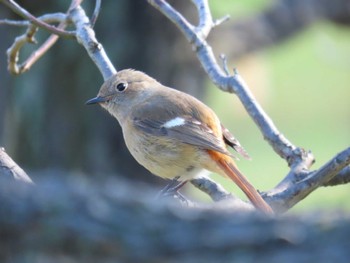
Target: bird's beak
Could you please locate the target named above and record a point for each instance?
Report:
(95, 100)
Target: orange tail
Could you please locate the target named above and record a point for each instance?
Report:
(232, 171)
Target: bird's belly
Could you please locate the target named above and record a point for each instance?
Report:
(163, 157)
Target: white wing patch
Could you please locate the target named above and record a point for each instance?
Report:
(178, 121)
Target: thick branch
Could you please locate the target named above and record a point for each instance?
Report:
(343, 177)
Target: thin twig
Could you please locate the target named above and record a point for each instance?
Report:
(219, 21)
(25, 14)
(37, 54)
(95, 13)
(22, 23)
(13, 52)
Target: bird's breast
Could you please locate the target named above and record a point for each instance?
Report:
(163, 156)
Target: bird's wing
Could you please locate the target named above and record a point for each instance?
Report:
(233, 142)
(184, 129)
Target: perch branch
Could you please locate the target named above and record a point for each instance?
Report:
(214, 190)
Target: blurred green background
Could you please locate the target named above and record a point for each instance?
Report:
(296, 63)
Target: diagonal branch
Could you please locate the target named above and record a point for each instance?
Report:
(299, 182)
(343, 177)
(10, 170)
(87, 38)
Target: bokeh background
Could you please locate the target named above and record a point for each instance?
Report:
(294, 54)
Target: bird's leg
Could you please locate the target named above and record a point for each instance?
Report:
(172, 189)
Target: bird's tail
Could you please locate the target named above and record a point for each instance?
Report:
(231, 170)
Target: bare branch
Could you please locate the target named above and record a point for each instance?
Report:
(13, 52)
(9, 22)
(95, 13)
(214, 190)
(86, 37)
(25, 14)
(205, 19)
(219, 21)
(296, 186)
(36, 55)
(343, 177)
(9, 169)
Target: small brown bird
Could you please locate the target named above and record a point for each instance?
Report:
(171, 133)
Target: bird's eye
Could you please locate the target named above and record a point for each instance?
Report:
(122, 86)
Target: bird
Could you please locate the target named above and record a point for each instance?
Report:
(171, 133)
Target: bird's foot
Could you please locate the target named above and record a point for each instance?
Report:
(172, 189)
